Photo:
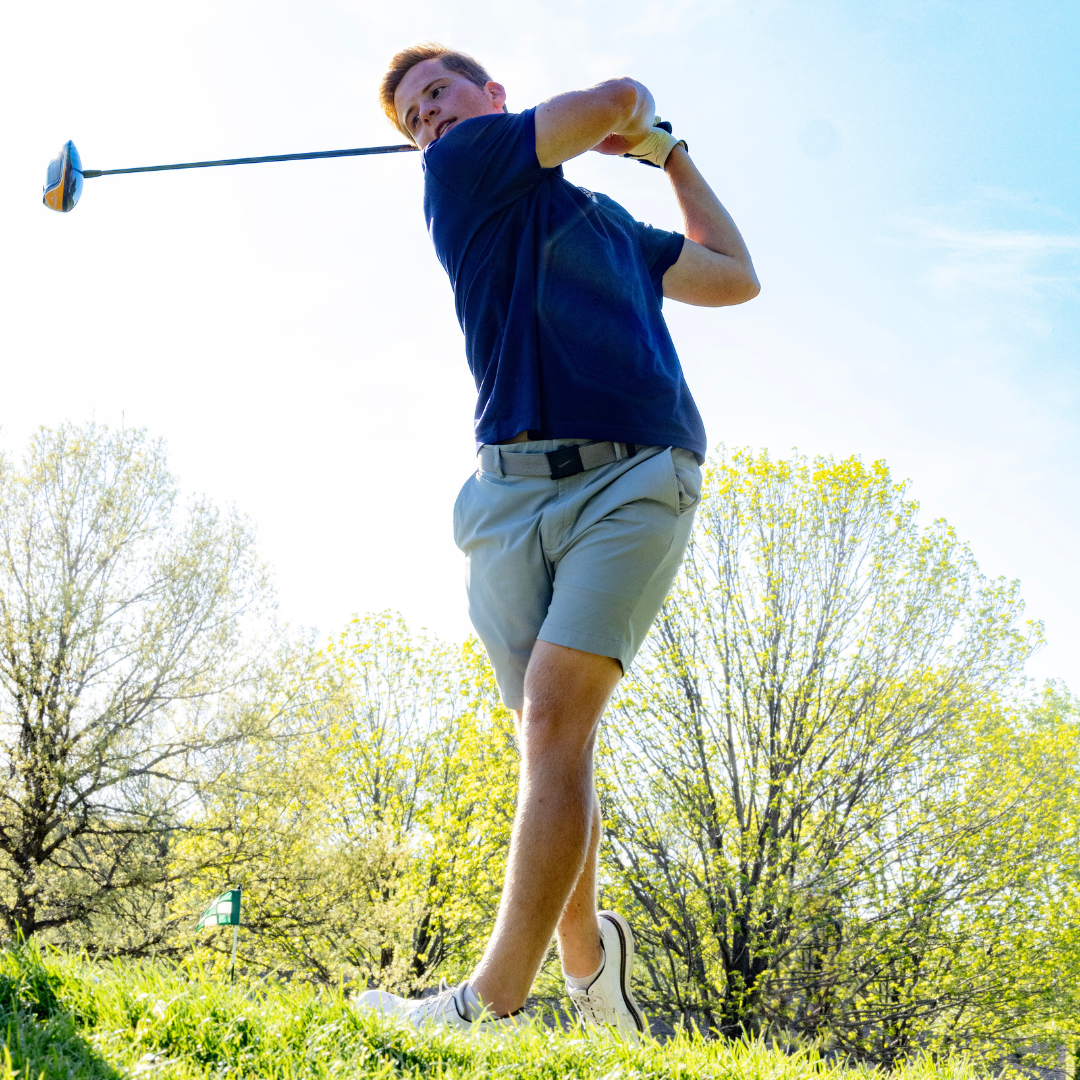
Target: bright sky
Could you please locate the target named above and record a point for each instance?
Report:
(905, 174)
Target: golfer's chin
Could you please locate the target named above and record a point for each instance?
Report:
(450, 127)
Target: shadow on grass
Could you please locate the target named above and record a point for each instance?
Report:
(42, 1037)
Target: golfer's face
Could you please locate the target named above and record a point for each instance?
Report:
(430, 100)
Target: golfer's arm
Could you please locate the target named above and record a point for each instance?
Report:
(714, 268)
(570, 124)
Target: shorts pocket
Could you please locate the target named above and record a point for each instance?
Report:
(687, 478)
(458, 509)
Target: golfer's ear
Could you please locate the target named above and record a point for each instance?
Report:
(498, 94)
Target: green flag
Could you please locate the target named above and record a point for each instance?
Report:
(224, 911)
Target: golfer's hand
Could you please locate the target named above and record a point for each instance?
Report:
(655, 148)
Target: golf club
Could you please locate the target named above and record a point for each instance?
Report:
(65, 175)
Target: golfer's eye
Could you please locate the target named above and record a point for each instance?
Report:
(435, 92)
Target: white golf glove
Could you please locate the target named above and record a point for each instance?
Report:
(655, 147)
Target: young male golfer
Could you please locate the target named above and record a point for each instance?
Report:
(576, 520)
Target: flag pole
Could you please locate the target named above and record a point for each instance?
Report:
(234, 918)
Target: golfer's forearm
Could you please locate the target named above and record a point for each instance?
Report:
(617, 106)
(706, 220)
(570, 124)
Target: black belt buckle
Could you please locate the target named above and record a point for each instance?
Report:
(566, 461)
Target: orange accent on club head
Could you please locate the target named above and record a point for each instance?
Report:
(54, 196)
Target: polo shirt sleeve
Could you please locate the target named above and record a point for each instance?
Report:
(661, 250)
(491, 159)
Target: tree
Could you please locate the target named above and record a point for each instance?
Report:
(120, 632)
(820, 802)
(370, 841)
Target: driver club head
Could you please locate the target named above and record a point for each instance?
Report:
(63, 179)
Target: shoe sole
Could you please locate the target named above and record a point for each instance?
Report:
(626, 964)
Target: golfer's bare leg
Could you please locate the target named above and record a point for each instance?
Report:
(578, 932)
(565, 693)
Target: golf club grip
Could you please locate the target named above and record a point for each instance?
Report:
(362, 151)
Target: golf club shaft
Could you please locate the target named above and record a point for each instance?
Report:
(89, 174)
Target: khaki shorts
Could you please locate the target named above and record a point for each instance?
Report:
(584, 562)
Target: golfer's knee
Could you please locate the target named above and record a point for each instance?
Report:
(558, 735)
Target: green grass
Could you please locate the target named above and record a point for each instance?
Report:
(66, 1018)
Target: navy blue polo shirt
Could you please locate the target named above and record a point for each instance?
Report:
(558, 291)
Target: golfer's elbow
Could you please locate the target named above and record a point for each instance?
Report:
(623, 98)
(729, 289)
(707, 278)
(746, 288)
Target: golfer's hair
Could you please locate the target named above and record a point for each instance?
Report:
(458, 62)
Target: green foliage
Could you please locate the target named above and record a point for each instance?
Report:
(824, 813)
(100, 1022)
(370, 841)
(120, 620)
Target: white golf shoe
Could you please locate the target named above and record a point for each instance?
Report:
(447, 1009)
(607, 1000)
